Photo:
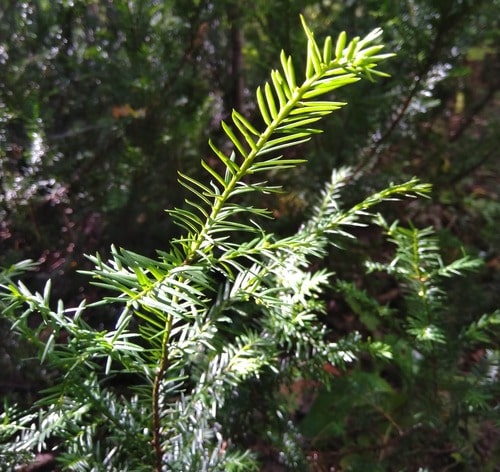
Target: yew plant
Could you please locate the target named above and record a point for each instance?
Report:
(226, 310)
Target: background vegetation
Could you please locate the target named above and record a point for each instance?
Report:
(101, 102)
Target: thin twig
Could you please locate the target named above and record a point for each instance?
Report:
(158, 452)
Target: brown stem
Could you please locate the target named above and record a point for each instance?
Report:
(474, 112)
(375, 148)
(158, 452)
(446, 25)
(236, 44)
(470, 169)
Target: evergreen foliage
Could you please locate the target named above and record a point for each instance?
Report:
(229, 312)
(422, 370)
